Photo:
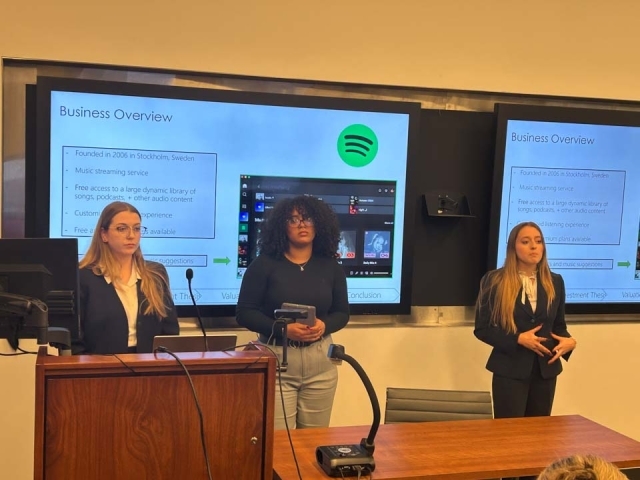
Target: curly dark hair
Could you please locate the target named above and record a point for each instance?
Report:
(273, 240)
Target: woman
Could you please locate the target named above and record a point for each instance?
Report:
(297, 264)
(582, 467)
(520, 313)
(125, 301)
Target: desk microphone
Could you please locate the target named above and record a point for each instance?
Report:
(189, 274)
(351, 460)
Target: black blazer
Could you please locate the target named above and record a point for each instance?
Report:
(103, 320)
(508, 358)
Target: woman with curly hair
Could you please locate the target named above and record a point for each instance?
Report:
(520, 313)
(297, 264)
(125, 301)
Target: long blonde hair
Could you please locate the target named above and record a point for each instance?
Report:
(99, 258)
(506, 282)
(582, 467)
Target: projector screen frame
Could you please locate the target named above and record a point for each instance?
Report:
(506, 112)
(38, 166)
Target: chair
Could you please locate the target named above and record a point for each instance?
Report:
(422, 405)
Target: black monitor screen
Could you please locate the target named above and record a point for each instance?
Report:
(366, 212)
(46, 269)
(203, 166)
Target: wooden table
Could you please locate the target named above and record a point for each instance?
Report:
(474, 449)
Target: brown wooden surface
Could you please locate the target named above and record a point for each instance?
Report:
(473, 449)
(101, 420)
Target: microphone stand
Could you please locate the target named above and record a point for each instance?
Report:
(285, 341)
(286, 316)
(351, 460)
(189, 275)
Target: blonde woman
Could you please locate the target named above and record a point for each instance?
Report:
(124, 300)
(520, 313)
(582, 467)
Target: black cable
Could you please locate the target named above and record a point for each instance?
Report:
(245, 345)
(286, 423)
(203, 438)
(114, 355)
(284, 412)
(13, 354)
(26, 352)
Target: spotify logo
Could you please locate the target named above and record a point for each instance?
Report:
(357, 145)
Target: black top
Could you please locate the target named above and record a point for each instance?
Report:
(508, 358)
(269, 282)
(103, 320)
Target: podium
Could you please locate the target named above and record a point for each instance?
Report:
(134, 416)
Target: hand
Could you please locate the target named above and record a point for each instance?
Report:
(318, 329)
(529, 340)
(303, 333)
(565, 345)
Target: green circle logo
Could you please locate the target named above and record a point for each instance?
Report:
(357, 145)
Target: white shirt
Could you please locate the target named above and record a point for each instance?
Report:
(529, 289)
(128, 294)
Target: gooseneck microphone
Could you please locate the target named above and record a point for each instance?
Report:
(351, 460)
(189, 274)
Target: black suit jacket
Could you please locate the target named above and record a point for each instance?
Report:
(103, 320)
(508, 358)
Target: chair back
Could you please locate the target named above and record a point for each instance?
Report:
(422, 405)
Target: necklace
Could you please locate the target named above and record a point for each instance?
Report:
(301, 265)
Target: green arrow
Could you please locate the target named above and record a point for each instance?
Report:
(224, 260)
(624, 264)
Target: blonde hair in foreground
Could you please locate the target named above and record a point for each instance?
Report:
(102, 262)
(506, 282)
(582, 467)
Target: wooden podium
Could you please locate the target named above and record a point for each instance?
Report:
(134, 416)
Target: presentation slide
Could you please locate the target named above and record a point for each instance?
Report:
(204, 174)
(577, 182)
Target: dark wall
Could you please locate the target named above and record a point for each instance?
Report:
(450, 253)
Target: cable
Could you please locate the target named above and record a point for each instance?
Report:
(286, 423)
(114, 355)
(195, 397)
(26, 352)
(122, 362)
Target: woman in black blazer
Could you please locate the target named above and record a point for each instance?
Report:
(125, 301)
(520, 313)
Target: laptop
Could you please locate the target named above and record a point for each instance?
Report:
(194, 343)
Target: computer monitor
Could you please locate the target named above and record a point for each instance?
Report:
(45, 269)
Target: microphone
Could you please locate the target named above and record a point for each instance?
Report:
(189, 274)
(351, 460)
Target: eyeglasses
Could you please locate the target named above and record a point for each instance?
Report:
(296, 221)
(125, 229)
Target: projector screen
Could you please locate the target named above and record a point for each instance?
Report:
(204, 167)
(575, 173)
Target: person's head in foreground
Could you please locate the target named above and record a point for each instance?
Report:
(582, 467)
